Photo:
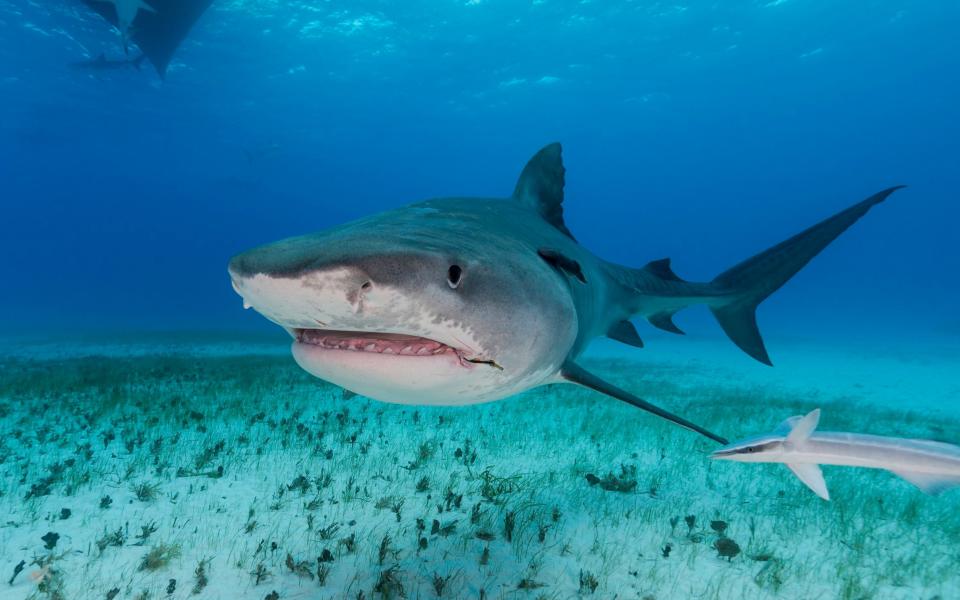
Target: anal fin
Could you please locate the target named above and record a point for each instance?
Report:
(812, 477)
(930, 483)
(665, 322)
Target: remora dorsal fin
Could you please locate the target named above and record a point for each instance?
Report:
(662, 269)
(576, 374)
(930, 483)
(804, 428)
(665, 322)
(787, 425)
(540, 186)
(812, 477)
(624, 331)
(561, 261)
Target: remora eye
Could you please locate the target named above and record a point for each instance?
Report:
(454, 275)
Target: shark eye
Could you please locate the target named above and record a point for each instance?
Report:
(454, 275)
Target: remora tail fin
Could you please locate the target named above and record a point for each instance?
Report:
(742, 288)
(930, 483)
(577, 374)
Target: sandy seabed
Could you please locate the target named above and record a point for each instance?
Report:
(220, 470)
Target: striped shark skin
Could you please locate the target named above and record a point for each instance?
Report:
(461, 300)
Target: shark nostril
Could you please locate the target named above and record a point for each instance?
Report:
(366, 285)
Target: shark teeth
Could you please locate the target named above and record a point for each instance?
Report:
(378, 343)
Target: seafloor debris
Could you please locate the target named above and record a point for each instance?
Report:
(16, 571)
(50, 540)
(625, 482)
(726, 547)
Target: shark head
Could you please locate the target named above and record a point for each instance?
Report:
(428, 304)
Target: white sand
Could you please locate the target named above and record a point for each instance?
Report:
(878, 538)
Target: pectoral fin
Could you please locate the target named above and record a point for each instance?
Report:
(930, 484)
(812, 477)
(576, 374)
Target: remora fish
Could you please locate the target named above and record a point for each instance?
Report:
(931, 466)
(466, 300)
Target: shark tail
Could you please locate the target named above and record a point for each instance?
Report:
(740, 289)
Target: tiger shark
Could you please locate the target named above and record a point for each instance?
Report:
(456, 301)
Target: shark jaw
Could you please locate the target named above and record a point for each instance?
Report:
(378, 343)
(385, 343)
(390, 367)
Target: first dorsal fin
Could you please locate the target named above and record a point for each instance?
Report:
(662, 269)
(541, 186)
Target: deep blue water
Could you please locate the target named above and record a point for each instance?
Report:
(703, 131)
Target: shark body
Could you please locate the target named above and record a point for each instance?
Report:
(466, 300)
(931, 466)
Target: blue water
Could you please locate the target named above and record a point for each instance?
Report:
(701, 131)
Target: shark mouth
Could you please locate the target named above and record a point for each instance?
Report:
(384, 343)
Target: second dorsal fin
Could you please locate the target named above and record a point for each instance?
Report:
(662, 269)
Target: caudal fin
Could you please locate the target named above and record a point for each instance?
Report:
(742, 288)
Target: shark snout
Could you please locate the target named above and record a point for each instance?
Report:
(312, 298)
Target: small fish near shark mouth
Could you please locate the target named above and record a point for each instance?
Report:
(385, 343)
